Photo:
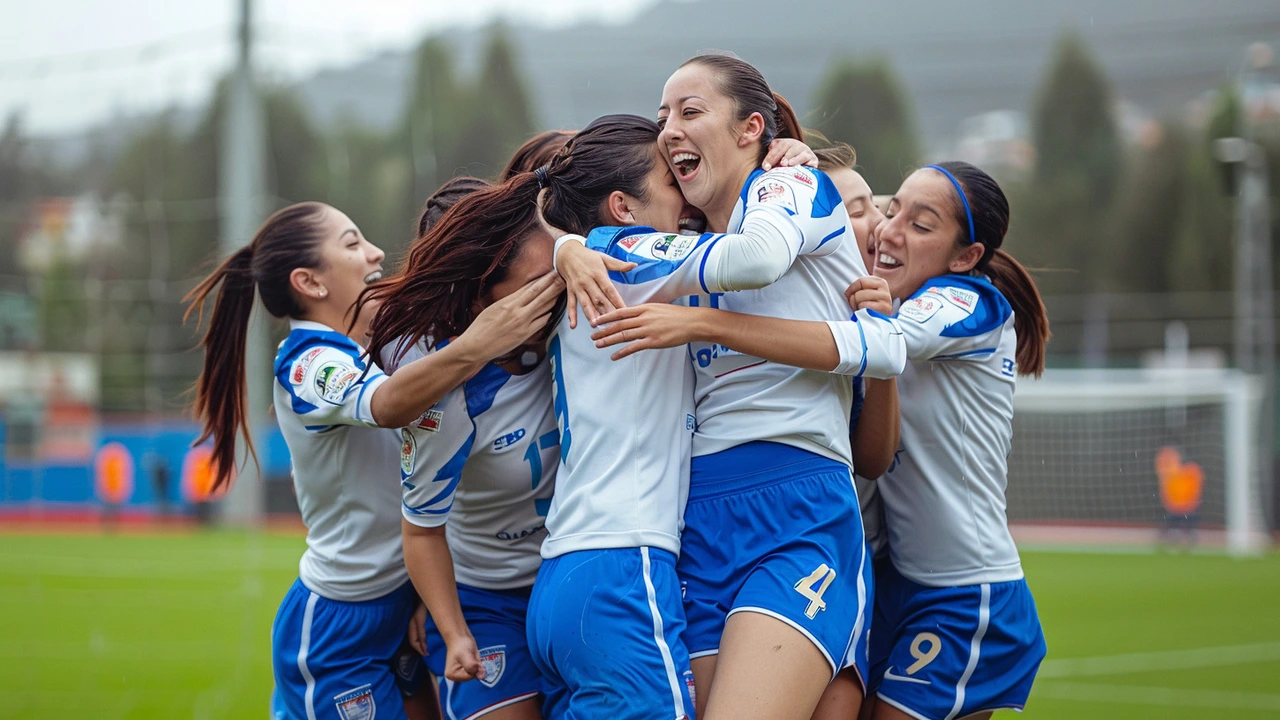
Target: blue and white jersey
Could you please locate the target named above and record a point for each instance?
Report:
(741, 398)
(944, 495)
(625, 426)
(344, 465)
(484, 461)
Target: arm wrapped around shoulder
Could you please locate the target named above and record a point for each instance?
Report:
(754, 258)
(870, 345)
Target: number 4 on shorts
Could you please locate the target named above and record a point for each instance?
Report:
(812, 587)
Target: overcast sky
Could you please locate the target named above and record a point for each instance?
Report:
(68, 63)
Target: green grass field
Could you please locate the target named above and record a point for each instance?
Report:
(113, 627)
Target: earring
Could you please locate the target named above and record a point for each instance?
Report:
(323, 292)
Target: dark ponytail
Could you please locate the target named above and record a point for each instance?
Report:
(741, 81)
(455, 262)
(289, 239)
(536, 152)
(990, 211)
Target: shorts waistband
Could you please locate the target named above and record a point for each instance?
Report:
(752, 466)
(399, 595)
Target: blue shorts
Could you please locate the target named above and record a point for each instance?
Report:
(604, 627)
(777, 530)
(859, 656)
(497, 622)
(332, 660)
(951, 652)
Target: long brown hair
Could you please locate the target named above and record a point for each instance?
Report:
(536, 152)
(289, 239)
(742, 82)
(990, 209)
(471, 247)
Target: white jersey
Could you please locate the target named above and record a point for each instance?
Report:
(944, 495)
(626, 426)
(741, 398)
(484, 461)
(344, 466)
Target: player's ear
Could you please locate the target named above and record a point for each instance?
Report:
(617, 208)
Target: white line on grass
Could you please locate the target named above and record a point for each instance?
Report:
(1139, 695)
(1168, 660)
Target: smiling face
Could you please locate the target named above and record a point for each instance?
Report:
(918, 239)
(863, 213)
(348, 261)
(664, 207)
(710, 151)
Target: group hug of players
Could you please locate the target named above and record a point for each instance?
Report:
(631, 453)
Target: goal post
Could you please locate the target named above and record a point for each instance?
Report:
(1126, 456)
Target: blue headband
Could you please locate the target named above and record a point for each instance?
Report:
(968, 214)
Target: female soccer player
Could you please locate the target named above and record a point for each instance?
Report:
(341, 622)
(801, 344)
(614, 520)
(775, 591)
(957, 634)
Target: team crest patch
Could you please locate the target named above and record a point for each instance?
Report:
(776, 193)
(302, 364)
(673, 247)
(494, 661)
(356, 704)
(408, 451)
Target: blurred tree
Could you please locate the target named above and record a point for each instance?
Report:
(1074, 127)
(498, 115)
(1066, 210)
(1148, 213)
(863, 104)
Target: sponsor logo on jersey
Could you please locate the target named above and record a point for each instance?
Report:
(891, 675)
(302, 364)
(630, 241)
(519, 534)
(673, 247)
(921, 308)
(804, 177)
(430, 420)
(688, 683)
(356, 704)
(408, 451)
(508, 440)
(963, 299)
(494, 661)
(333, 379)
(690, 423)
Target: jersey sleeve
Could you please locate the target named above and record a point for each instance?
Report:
(800, 203)
(954, 317)
(330, 384)
(433, 451)
(870, 344)
(670, 266)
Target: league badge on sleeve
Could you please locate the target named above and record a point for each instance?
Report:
(408, 451)
(333, 379)
(356, 704)
(302, 364)
(921, 308)
(494, 661)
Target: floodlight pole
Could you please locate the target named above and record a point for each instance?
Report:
(241, 205)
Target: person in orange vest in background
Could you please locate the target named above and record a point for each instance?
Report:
(1181, 490)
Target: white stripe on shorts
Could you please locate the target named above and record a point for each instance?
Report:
(304, 647)
(667, 661)
(975, 649)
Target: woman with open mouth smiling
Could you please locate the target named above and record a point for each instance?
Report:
(776, 586)
(957, 633)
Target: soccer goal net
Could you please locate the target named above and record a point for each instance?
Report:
(1121, 456)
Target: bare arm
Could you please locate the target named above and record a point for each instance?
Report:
(875, 437)
(430, 565)
(497, 330)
